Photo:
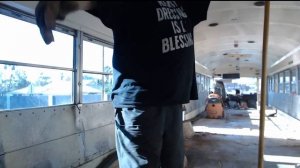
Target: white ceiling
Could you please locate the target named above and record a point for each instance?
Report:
(240, 22)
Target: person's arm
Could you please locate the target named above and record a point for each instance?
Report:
(47, 12)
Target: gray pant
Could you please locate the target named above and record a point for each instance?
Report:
(150, 137)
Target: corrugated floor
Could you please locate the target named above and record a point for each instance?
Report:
(232, 142)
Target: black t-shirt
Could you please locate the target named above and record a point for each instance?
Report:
(153, 59)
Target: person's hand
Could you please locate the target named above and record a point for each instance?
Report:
(46, 13)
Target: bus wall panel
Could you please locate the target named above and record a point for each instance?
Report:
(295, 108)
(32, 131)
(24, 128)
(287, 103)
(64, 152)
(99, 141)
(281, 101)
(97, 115)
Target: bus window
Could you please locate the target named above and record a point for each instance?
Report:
(30, 75)
(287, 83)
(97, 71)
(293, 82)
(281, 82)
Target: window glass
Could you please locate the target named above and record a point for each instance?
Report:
(246, 85)
(293, 82)
(273, 83)
(108, 53)
(202, 83)
(97, 86)
(198, 82)
(281, 82)
(92, 56)
(26, 87)
(92, 88)
(211, 85)
(21, 42)
(108, 79)
(287, 82)
(276, 83)
(270, 83)
(207, 84)
(108, 85)
(298, 80)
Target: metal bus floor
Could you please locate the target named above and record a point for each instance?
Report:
(232, 142)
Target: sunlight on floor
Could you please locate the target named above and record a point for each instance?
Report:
(245, 132)
(226, 131)
(283, 161)
(281, 127)
(287, 166)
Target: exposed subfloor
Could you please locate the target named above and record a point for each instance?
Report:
(232, 142)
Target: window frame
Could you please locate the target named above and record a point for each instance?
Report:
(76, 69)
(103, 44)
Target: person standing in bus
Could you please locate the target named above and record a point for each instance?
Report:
(238, 97)
(154, 72)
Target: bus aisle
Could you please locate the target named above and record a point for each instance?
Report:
(232, 142)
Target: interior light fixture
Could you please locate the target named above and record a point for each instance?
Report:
(259, 3)
(236, 44)
(213, 24)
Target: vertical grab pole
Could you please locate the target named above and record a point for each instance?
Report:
(263, 86)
